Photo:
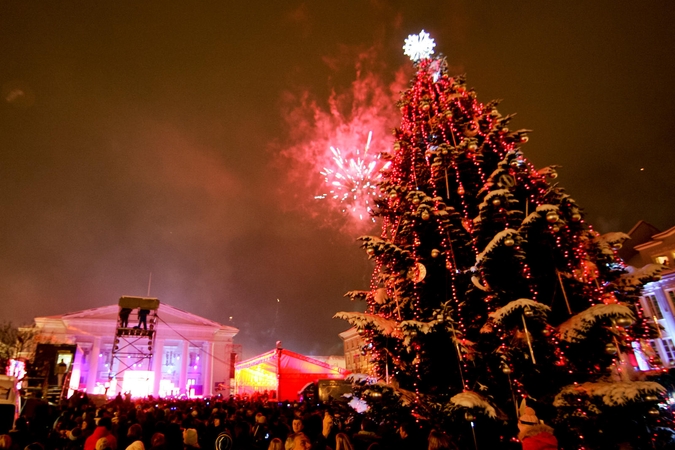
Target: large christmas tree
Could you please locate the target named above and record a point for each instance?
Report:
(490, 288)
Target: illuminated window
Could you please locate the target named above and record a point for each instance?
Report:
(671, 296)
(669, 349)
(653, 306)
(662, 260)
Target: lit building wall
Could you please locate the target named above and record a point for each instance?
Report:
(191, 354)
(355, 360)
(649, 246)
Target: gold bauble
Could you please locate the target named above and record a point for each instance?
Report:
(624, 321)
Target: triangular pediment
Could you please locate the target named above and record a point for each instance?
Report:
(166, 313)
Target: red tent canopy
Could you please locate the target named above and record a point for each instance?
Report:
(281, 373)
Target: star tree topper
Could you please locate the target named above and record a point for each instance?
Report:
(419, 46)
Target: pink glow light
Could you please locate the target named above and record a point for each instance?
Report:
(340, 138)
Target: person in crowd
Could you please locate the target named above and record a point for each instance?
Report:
(404, 438)
(261, 434)
(5, 442)
(342, 442)
(101, 431)
(158, 442)
(134, 435)
(35, 446)
(298, 425)
(276, 444)
(440, 441)
(533, 434)
(20, 434)
(190, 439)
(298, 441)
(103, 444)
(366, 436)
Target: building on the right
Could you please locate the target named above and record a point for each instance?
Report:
(648, 245)
(356, 359)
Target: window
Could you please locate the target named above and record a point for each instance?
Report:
(653, 306)
(663, 259)
(671, 296)
(669, 349)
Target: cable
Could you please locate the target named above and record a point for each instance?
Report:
(193, 343)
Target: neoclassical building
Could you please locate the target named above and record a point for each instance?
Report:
(647, 246)
(189, 355)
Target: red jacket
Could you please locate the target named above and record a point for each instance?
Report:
(539, 437)
(100, 432)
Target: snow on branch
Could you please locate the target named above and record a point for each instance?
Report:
(491, 195)
(516, 306)
(360, 320)
(498, 239)
(411, 327)
(612, 239)
(377, 246)
(416, 325)
(472, 400)
(358, 295)
(637, 277)
(548, 171)
(576, 327)
(617, 393)
(537, 214)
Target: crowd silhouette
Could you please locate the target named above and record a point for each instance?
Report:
(209, 424)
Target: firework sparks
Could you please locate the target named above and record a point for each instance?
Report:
(352, 182)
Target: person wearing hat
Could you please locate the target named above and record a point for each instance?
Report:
(533, 434)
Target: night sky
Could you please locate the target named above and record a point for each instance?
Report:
(175, 138)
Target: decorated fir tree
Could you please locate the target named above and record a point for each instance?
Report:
(490, 288)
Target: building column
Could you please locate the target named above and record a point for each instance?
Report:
(207, 370)
(184, 360)
(93, 365)
(157, 361)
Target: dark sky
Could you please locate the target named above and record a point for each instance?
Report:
(142, 137)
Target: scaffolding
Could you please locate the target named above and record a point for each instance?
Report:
(133, 345)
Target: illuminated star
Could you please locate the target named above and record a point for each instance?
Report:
(419, 46)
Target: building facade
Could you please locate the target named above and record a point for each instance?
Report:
(191, 355)
(649, 246)
(355, 360)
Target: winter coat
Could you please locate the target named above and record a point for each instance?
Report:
(539, 437)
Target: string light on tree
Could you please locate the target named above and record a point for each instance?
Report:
(497, 290)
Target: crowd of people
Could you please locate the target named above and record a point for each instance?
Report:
(210, 424)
